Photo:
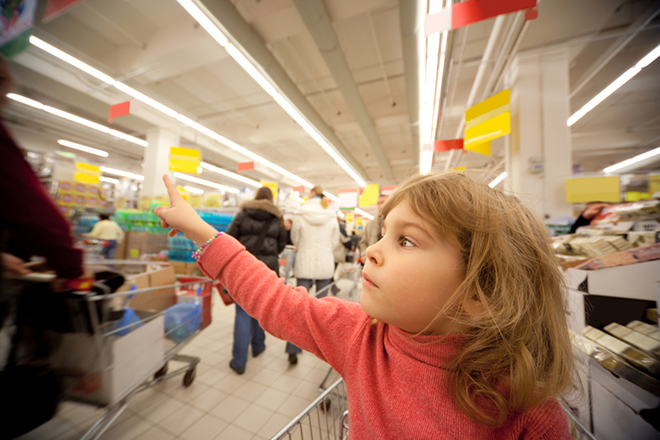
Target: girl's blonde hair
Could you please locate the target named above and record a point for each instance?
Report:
(517, 351)
(319, 192)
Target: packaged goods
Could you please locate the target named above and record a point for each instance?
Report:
(634, 338)
(646, 329)
(632, 355)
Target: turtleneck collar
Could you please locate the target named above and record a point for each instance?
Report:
(434, 350)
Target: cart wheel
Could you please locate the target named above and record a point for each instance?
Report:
(189, 377)
(160, 373)
(325, 405)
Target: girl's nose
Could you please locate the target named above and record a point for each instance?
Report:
(374, 253)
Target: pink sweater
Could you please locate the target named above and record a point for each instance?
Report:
(394, 383)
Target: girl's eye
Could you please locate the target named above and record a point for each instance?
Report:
(404, 242)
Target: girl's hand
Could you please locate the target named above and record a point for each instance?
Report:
(181, 217)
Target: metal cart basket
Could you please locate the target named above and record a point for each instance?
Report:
(326, 418)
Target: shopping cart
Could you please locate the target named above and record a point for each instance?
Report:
(113, 355)
(325, 418)
(92, 248)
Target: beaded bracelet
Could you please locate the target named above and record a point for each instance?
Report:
(198, 252)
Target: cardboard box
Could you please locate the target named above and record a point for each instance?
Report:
(181, 268)
(636, 281)
(154, 301)
(104, 369)
(140, 243)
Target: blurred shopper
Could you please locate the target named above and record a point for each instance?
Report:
(289, 253)
(591, 211)
(30, 224)
(342, 245)
(107, 230)
(372, 232)
(259, 227)
(314, 233)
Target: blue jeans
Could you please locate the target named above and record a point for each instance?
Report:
(109, 251)
(246, 328)
(307, 283)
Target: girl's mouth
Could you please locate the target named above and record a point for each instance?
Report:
(367, 281)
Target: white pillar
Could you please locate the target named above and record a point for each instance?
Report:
(538, 157)
(157, 161)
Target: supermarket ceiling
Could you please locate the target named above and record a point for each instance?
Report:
(351, 79)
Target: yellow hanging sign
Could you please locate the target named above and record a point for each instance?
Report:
(272, 186)
(591, 189)
(86, 173)
(488, 120)
(184, 160)
(369, 196)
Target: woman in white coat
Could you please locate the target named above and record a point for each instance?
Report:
(314, 233)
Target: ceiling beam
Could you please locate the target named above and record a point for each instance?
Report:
(318, 23)
(617, 46)
(412, 14)
(254, 47)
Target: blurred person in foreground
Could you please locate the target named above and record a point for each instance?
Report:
(30, 224)
(258, 227)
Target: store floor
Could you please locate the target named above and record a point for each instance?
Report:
(219, 404)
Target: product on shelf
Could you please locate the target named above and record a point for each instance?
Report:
(631, 256)
(181, 248)
(634, 356)
(133, 220)
(642, 342)
(645, 329)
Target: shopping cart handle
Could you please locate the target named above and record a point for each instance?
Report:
(34, 277)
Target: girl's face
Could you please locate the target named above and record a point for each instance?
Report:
(410, 274)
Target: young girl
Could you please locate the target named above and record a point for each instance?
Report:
(460, 332)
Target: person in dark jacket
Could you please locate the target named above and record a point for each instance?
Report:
(259, 227)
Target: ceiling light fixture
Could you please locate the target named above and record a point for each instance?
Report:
(206, 183)
(76, 119)
(632, 160)
(614, 86)
(330, 196)
(208, 166)
(497, 180)
(109, 180)
(193, 190)
(205, 22)
(121, 173)
(364, 214)
(202, 17)
(84, 148)
(436, 45)
(41, 44)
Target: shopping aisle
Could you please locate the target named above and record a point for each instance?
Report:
(219, 404)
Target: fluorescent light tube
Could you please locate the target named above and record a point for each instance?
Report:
(85, 148)
(109, 180)
(219, 37)
(76, 119)
(632, 160)
(250, 69)
(144, 98)
(71, 60)
(364, 214)
(26, 101)
(193, 190)
(204, 21)
(206, 183)
(122, 173)
(614, 86)
(497, 180)
(208, 166)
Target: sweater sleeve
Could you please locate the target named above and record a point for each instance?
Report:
(31, 215)
(325, 327)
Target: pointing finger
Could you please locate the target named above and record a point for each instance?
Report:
(175, 197)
